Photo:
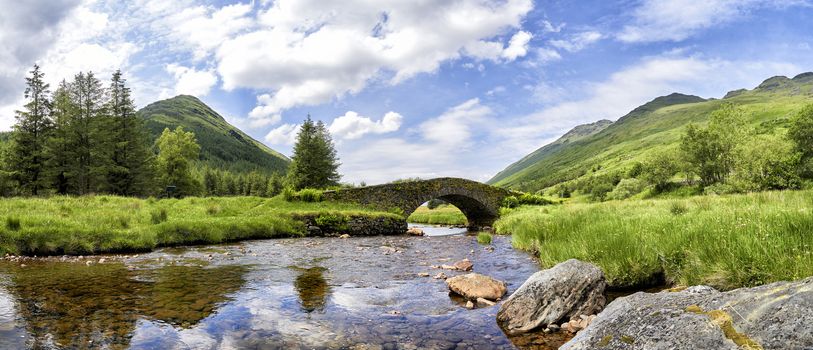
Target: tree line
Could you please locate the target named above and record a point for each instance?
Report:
(85, 138)
(726, 156)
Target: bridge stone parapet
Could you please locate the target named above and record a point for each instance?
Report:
(478, 201)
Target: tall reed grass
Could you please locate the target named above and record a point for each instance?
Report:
(723, 241)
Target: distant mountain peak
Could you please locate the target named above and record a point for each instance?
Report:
(804, 77)
(672, 99)
(774, 83)
(222, 144)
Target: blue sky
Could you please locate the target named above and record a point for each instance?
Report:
(410, 88)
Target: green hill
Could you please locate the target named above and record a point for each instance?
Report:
(653, 126)
(223, 146)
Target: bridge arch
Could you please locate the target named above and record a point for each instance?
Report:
(479, 202)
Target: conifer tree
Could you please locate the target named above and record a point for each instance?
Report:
(91, 146)
(60, 151)
(314, 163)
(129, 173)
(27, 155)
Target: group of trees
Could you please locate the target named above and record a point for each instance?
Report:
(726, 156)
(86, 138)
(82, 138)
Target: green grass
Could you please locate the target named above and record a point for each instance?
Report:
(96, 224)
(484, 238)
(442, 215)
(723, 241)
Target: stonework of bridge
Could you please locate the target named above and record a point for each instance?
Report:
(478, 201)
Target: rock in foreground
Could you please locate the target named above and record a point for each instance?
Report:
(474, 285)
(774, 316)
(563, 292)
(414, 231)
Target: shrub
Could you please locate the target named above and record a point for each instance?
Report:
(627, 188)
(510, 202)
(310, 195)
(721, 188)
(484, 238)
(13, 223)
(158, 216)
(332, 222)
(289, 194)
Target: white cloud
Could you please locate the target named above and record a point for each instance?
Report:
(544, 55)
(578, 41)
(284, 134)
(548, 27)
(309, 51)
(517, 46)
(352, 126)
(676, 20)
(190, 81)
(203, 28)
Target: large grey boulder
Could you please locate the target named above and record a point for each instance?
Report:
(565, 291)
(774, 316)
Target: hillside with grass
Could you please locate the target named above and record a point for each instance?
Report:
(223, 146)
(651, 128)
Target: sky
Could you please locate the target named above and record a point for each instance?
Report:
(410, 88)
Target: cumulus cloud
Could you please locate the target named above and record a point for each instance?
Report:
(577, 42)
(190, 81)
(203, 28)
(310, 51)
(284, 134)
(517, 46)
(352, 126)
(676, 20)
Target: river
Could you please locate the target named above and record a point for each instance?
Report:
(308, 293)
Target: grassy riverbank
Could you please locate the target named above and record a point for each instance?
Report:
(442, 215)
(723, 241)
(96, 224)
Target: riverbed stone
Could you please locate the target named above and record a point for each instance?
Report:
(415, 231)
(463, 265)
(555, 295)
(474, 285)
(773, 316)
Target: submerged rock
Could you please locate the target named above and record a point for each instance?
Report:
(563, 292)
(474, 285)
(774, 316)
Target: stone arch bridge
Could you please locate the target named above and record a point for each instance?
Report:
(478, 201)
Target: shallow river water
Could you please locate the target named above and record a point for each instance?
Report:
(309, 293)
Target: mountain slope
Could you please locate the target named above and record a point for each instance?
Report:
(653, 126)
(222, 145)
(575, 134)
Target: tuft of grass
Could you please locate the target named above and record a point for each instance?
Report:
(158, 216)
(678, 208)
(13, 223)
(725, 241)
(213, 209)
(484, 238)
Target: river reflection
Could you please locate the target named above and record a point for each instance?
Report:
(312, 288)
(309, 293)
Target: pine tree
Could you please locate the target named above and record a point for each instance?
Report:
(91, 146)
(27, 156)
(129, 173)
(314, 163)
(60, 151)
